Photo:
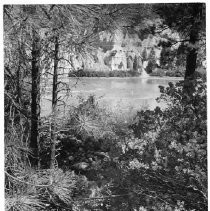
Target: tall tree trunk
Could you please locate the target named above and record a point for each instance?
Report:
(197, 11)
(54, 103)
(192, 56)
(35, 98)
(19, 74)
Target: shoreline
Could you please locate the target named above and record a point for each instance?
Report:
(139, 77)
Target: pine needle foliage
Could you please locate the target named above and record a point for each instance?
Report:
(23, 203)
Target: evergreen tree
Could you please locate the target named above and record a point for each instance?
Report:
(189, 20)
(151, 61)
(144, 55)
(135, 64)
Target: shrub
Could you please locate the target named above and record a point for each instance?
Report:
(150, 67)
(47, 189)
(176, 72)
(170, 150)
(158, 72)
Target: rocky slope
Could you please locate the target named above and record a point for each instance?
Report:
(122, 51)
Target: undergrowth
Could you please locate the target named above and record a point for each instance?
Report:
(157, 160)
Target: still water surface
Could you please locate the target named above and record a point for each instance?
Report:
(116, 94)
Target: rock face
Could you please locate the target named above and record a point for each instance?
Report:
(122, 51)
(119, 51)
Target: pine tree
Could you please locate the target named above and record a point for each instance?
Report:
(135, 64)
(189, 20)
(144, 55)
(151, 61)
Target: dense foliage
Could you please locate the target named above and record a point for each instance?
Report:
(189, 21)
(173, 72)
(114, 73)
(159, 162)
(151, 62)
(171, 149)
(91, 158)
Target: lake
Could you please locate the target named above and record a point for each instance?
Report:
(116, 94)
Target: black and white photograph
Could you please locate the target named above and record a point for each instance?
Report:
(105, 106)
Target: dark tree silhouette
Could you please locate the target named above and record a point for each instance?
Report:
(189, 20)
(35, 97)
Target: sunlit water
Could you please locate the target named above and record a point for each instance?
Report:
(116, 94)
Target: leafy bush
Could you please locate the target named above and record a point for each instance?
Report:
(170, 149)
(158, 72)
(176, 72)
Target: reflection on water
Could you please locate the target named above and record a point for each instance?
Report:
(114, 93)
